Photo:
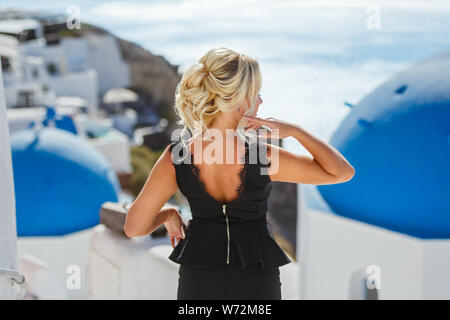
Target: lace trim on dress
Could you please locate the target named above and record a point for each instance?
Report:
(242, 175)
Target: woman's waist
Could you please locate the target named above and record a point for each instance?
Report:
(238, 211)
(233, 220)
(217, 226)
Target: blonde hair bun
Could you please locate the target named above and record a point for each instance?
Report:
(218, 82)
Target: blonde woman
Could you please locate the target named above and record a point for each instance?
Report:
(227, 249)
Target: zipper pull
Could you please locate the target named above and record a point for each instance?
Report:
(224, 209)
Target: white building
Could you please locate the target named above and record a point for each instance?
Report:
(22, 29)
(101, 53)
(85, 67)
(63, 79)
(75, 59)
(26, 80)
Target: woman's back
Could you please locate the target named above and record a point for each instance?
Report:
(220, 167)
(228, 203)
(237, 182)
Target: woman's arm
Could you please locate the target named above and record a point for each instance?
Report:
(145, 214)
(326, 166)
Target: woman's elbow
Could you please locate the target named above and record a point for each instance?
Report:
(131, 228)
(130, 231)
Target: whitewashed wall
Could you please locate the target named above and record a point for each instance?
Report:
(101, 53)
(104, 56)
(52, 54)
(336, 252)
(82, 84)
(8, 235)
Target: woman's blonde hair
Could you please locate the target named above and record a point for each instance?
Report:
(218, 82)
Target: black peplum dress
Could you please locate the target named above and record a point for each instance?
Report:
(229, 251)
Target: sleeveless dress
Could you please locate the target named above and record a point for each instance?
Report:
(229, 251)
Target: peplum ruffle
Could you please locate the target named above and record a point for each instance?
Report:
(251, 242)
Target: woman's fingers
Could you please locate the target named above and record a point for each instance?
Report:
(259, 127)
(252, 117)
(257, 120)
(174, 241)
(253, 127)
(176, 237)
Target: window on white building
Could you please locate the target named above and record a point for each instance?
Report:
(25, 99)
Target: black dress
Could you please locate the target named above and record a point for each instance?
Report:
(229, 251)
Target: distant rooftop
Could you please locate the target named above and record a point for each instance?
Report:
(29, 14)
(17, 26)
(8, 46)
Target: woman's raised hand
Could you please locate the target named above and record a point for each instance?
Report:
(284, 128)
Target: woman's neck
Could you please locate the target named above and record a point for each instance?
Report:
(224, 124)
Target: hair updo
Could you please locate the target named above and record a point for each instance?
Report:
(218, 82)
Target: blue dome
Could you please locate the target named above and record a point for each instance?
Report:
(397, 139)
(60, 182)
